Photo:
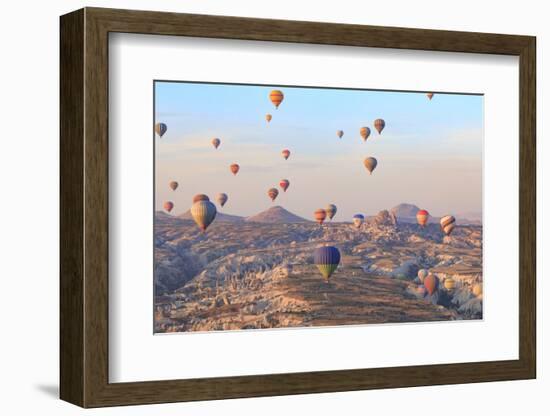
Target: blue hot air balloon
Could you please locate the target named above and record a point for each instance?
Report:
(160, 129)
(327, 259)
(358, 220)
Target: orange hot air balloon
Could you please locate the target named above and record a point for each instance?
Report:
(168, 206)
(365, 133)
(268, 117)
(286, 153)
(370, 164)
(379, 125)
(430, 95)
(320, 215)
(339, 133)
(284, 184)
(234, 168)
(431, 283)
(216, 142)
(272, 193)
(200, 197)
(422, 217)
(173, 185)
(160, 129)
(276, 97)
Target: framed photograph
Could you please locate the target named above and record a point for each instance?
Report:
(255, 207)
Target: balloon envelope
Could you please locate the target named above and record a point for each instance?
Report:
(276, 97)
(422, 217)
(477, 290)
(216, 142)
(448, 223)
(370, 163)
(339, 133)
(168, 206)
(286, 153)
(431, 283)
(430, 95)
(449, 283)
(379, 125)
(320, 215)
(203, 212)
(160, 129)
(422, 273)
(268, 117)
(173, 185)
(284, 184)
(200, 197)
(358, 220)
(326, 259)
(234, 168)
(331, 210)
(221, 198)
(272, 193)
(365, 133)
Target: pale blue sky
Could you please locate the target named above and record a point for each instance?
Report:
(429, 154)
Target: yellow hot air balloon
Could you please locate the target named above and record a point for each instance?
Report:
(477, 289)
(203, 212)
(379, 125)
(268, 117)
(339, 133)
(160, 129)
(370, 163)
(449, 283)
(276, 97)
(365, 133)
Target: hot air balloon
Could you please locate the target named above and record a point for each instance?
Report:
(286, 153)
(477, 290)
(448, 223)
(160, 129)
(203, 212)
(431, 283)
(173, 185)
(268, 117)
(449, 283)
(320, 215)
(331, 210)
(284, 184)
(216, 142)
(422, 217)
(326, 259)
(365, 133)
(339, 133)
(221, 198)
(422, 273)
(276, 97)
(234, 168)
(272, 193)
(379, 125)
(430, 95)
(358, 220)
(200, 197)
(370, 163)
(168, 206)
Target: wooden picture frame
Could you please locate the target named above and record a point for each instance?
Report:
(84, 207)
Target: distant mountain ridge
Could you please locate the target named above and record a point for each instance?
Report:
(276, 214)
(220, 217)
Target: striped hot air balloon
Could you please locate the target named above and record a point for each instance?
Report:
(272, 193)
(379, 125)
(422, 273)
(448, 223)
(203, 212)
(221, 198)
(200, 197)
(430, 95)
(331, 211)
(286, 153)
(284, 184)
(431, 283)
(168, 206)
(339, 133)
(358, 220)
(173, 185)
(370, 163)
(320, 215)
(422, 217)
(276, 97)
(326, 259)
(268, 117)
(449, 283)
(160, 129)
(216, 142)
(365, 133)
(234, 168)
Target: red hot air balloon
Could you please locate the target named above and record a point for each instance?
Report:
(320, 215)
(286, 153)
(431, 283)
(276, 97)
(284, 184)
(379, 125)
(422, 217)
(216, 142)
(272, 193)
(200, 197)
(168, 206)
(234, 168)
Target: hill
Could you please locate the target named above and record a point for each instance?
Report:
(276, 214)
(220, 217)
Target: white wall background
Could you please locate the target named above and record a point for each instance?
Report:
(29, 84)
